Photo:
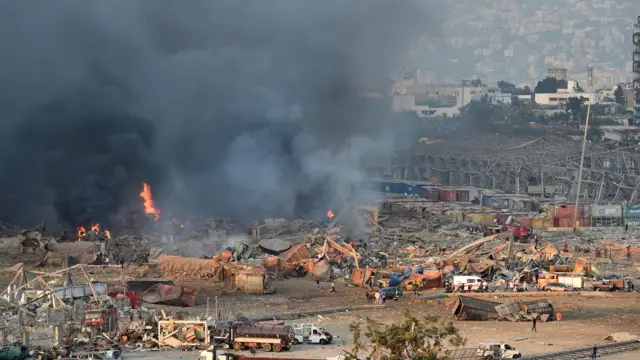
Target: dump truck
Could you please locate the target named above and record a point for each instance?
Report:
(240, 335)
(311, 334)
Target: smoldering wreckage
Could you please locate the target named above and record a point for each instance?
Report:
(407, 244)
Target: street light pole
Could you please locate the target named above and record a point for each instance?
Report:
(584, 145)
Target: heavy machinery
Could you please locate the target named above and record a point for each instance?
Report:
(244, 334)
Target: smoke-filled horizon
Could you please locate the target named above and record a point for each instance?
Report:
(240, 109)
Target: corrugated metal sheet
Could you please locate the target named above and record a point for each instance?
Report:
(525, 221)
(250, 283)
(541, 223)
(80, 291)
(468, 308)
(541, 307)
(474, 193)
(565, 211)
(447, 195)
(509, 308)
(611, 211)
(462, 195)
(433, 194)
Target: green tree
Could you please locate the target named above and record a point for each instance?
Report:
(574, 107)
(415, 339)
(550, 86)
(619, 96)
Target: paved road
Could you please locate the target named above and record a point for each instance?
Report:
(624, 356)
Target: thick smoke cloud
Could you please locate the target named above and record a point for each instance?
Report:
(228, 108)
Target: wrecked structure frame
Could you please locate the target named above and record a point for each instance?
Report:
(518, 164)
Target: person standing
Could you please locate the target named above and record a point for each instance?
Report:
(628, 253)
(594, 353)
(333, 287)
(534, 322)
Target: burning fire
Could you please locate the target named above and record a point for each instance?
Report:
(149, 206)
(330, 214)
(81, 232)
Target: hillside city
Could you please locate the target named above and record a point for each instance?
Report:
(517, 41)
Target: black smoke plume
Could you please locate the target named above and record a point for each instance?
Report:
(230, 108)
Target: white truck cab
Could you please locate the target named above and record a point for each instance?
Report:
(311, 334)
(498, 350)
(462, 283)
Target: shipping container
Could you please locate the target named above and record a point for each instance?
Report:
(525, 221)
(250, 282)
(474, 193)
(434, 179)
(633, 211)
(607, 211)
(447, 195)
(433, 194)
(486, 199)
(632, 222)
(462, 195)
(480, 219)
(564, 211)
(541, 223)
(567, 222)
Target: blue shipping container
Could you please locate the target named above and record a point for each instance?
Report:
(633, 211)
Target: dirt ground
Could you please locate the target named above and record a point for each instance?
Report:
(587, 320)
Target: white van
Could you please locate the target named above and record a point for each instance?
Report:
(461, 283)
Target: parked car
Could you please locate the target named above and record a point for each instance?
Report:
(556, 287)
(389, 292)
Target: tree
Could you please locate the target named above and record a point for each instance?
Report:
(550, 86)
(475, 82)
(574, 106)
(416, 339)
(506, 87)
(619, 96)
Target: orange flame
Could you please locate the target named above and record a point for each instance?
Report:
(81, 232)
(149, 206)
(330, 214)
(96, 228)
(107, 233)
